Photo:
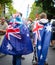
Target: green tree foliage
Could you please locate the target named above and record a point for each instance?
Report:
(3, 4)
(47, 5)
(10, 8)
(7, 4)
(5, 1)
(35, 10)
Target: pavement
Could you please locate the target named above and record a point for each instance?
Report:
(7, 60)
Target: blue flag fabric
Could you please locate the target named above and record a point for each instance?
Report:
(17, 41)
(43, 43)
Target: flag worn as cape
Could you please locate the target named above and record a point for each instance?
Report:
(43, 41)
(17, 41)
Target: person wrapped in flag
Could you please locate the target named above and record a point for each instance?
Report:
(17, 41)
(42, 31)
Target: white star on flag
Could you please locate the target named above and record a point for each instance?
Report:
(48, 28)
(41, 56)
(27, 35)
(9, 47)
(39, 47)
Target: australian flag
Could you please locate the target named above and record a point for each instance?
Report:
(16, 41)
(43, 38)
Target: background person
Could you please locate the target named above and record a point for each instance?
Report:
(17, 58)
(44, 21)
(42, 43)
(3, 26)
(53, 33)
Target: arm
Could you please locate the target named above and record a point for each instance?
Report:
(2, 32)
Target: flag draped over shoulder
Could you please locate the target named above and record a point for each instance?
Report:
(43, 40)
(16, 41)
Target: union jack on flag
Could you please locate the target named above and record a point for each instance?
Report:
(36, 29)
(16, 41)
(43, 44)
(13, 31)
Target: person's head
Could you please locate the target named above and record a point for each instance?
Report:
(43, 15)
(2, 20)
(20, 14)
(17, 17)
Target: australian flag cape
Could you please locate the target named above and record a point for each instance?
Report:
(16, 41)
(43, 33)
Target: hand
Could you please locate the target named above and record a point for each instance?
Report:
(2, 31)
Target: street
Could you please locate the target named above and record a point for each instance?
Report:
(7, 60)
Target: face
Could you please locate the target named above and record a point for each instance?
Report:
(2, 21)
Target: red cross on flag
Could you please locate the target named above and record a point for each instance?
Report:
(12, 31)
(36, 29)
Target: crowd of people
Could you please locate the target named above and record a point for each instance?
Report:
(30, 24)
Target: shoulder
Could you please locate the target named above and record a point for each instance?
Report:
(52, 20)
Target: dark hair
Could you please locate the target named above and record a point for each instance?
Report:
(20, 14)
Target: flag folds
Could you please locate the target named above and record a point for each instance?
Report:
(16, 41)
(43, 33)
